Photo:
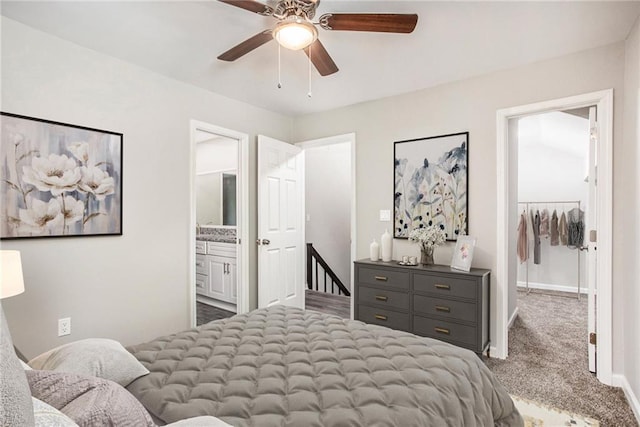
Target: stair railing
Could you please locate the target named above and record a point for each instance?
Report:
(314, 257)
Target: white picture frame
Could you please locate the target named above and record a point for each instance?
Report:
(463, 253)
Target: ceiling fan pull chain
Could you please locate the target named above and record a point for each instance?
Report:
(279, 72)
(309, 94)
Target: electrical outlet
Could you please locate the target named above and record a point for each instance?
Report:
(64, 326)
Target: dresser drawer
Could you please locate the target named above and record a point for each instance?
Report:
(383, 297)
(388, 278)
(382, 317)
(462, 335)
(448, 308)
(201, 265)
(445, 286)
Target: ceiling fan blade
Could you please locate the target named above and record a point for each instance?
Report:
(321, 59)
(376, 22)
(251, 6)
(247, 46)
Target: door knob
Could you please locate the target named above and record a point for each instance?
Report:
(263, 241)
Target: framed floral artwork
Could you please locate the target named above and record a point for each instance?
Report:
(431, 184)
(463, 253)
(58, 180)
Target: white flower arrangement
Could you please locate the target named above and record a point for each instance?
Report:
(76, 186)
(428, 237)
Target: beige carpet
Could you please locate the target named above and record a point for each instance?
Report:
(548, 363)
(538, 415)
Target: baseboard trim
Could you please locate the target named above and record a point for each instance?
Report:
(512, 318)
(550, 287)
(621, 381)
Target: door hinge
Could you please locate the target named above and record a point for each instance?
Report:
(592, 338)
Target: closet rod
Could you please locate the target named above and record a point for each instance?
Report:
(551, 202)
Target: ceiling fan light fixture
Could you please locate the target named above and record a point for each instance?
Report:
(295, 34)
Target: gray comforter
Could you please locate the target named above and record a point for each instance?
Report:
(282, 366)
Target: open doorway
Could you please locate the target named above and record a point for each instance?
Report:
(555, 200)
(329, 223)
(597, 223)
(219, 285)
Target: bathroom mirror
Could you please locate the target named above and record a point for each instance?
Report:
(216, 199)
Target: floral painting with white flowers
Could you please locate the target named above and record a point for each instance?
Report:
(58, 179)
(430, 187)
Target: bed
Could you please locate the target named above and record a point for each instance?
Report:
(282, 366)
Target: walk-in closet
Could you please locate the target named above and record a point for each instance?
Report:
(553, 202)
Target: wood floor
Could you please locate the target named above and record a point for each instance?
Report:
(207, 313)
(337, 305)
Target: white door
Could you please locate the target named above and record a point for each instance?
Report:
(591, 237)
(280, 223)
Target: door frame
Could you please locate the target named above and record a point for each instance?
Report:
(242, 209)
(339, 139)
(604, 205)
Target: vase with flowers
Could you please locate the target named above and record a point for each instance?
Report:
(428, 238)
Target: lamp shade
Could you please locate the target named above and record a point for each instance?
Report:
(295, 34)
(11, 280)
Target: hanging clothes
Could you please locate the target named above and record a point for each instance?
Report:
(575, 227)
(563, 231)
(544, 223)
(535, 219)
(555, 235)
(523, 241)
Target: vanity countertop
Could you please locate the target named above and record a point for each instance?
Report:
(216, 238)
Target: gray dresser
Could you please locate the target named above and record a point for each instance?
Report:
(433, 301)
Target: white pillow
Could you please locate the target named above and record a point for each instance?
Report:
(98, 357)
(48, 416)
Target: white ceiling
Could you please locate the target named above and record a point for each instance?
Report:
(452, 41)
(559, 131)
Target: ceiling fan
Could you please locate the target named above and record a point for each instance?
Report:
(295, 30)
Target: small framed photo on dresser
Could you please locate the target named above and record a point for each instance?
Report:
(463, 253)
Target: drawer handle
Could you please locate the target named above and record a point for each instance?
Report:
(438, 286)
(442, 331)
(443, 308)
(381, 298)
(380, 317)
(381, 278)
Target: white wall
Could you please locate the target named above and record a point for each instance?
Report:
(470, 105)
(553, 151)
(631, 255)
(328, 205)
(134, 287)
(218, 154)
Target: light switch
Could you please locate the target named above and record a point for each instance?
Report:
(385, 215)
(308, 217)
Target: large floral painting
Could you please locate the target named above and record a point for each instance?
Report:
(431, 184)
(58, 179)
